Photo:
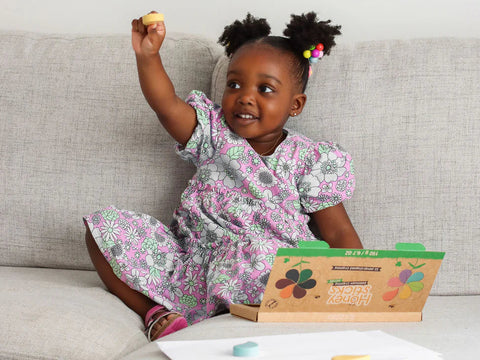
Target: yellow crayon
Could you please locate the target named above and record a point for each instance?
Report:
(152, 18)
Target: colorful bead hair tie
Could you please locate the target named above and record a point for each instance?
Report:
(313, 54)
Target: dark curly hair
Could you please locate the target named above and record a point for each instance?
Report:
(301, 33)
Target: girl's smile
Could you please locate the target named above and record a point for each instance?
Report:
(245, 118)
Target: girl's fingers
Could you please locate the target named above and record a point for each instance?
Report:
(142, 29)
(137, 26)
(156, 34)
(156, 28)
(149, 38)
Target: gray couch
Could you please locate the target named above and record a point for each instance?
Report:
(77, 135)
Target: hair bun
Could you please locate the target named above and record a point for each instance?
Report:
(240, 32)
(306, 30)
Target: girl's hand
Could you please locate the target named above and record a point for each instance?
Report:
(147, 40)
(176, 116)
(335, 227)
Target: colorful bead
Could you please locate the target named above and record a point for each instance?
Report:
(313, 54)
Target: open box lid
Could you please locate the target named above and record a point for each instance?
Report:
(315, 283)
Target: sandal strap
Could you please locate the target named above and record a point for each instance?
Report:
(150, 313)
(148, 330)
(155, 310)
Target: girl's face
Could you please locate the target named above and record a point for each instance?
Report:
(260, 95)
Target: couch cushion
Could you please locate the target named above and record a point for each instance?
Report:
(457, 340)
(408, 112)
(77, 135)
(63, 314)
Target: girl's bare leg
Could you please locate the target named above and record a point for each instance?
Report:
(132, 298)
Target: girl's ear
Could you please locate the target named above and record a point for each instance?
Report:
(298, 104)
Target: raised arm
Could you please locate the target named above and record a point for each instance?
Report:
(177, 117)
(336, 228)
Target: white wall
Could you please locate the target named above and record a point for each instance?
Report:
(361, 19)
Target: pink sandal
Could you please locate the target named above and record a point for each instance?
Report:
(173, 323)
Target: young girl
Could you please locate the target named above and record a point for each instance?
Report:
(256, 187)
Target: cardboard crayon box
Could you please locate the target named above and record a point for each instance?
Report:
(315, 283)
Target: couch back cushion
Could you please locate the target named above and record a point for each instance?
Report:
(409, 113)
(77, 135)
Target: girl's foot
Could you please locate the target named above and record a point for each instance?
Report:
(160, 322)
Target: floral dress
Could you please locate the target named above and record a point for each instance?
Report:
(236, 211)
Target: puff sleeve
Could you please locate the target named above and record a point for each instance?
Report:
(201, 145)
(328, 178)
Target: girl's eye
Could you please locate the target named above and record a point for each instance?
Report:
(265, 89)
(233, 85)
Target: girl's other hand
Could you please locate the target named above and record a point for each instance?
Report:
(147, 40)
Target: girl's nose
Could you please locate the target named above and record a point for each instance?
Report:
(246, 98)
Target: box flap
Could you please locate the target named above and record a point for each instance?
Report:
(249, 312)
